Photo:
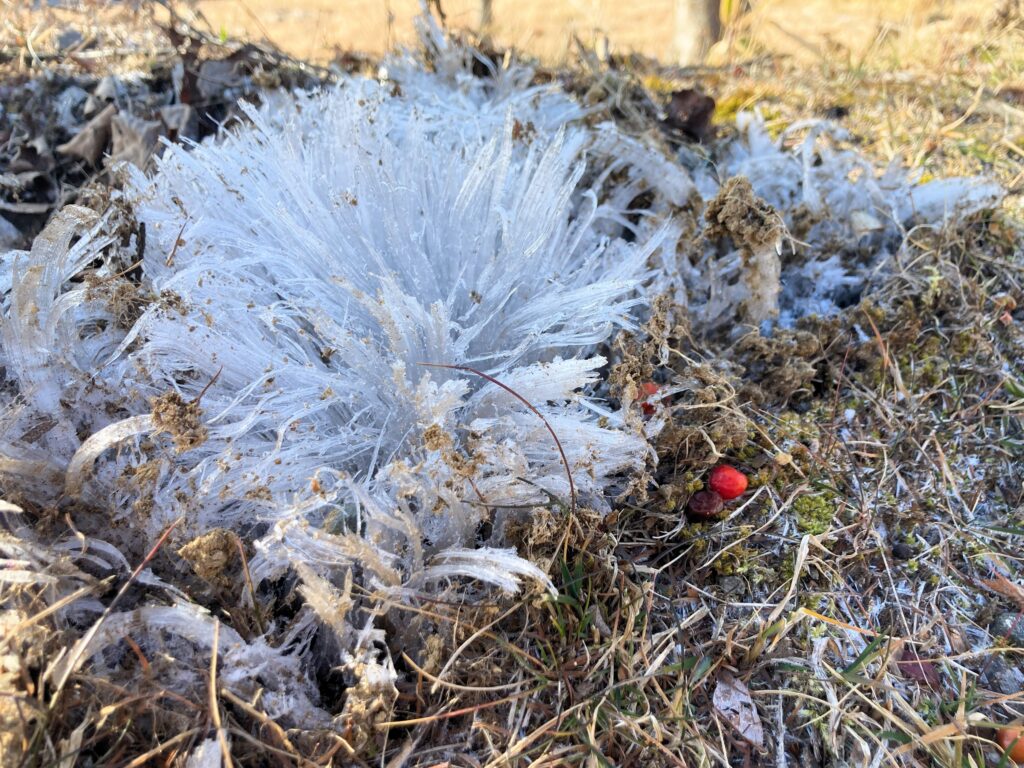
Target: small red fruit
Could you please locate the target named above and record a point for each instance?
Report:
(705, 504)
(649, 389)
(1012, 741)
(727, 482)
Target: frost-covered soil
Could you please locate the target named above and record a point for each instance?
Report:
(333, 437)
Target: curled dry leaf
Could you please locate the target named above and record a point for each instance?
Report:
(1003, 586)
(90, 142)
(914, 667)
(732, 701)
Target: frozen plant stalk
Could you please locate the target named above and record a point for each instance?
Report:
(756, 231)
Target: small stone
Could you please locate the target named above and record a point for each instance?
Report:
(10, 236)
(733, 586)
(1002, 677)
(68, 38)
(902, 551)
(1009, 628)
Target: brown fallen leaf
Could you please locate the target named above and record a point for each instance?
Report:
(733, 702)
(914, 667)
(134, 140)
(1003, 586)
(90, 142)
(181, 121)
(215, 77)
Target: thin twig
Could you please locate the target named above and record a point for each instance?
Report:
(528, 404)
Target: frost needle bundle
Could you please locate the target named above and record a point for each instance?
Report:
(311, 269)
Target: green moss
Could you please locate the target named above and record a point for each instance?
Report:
(729, 105)
(929, 710)
(786, 566)
(749, 452)
(757, 479)
(660, 86)
(814, 514)
(748, 562)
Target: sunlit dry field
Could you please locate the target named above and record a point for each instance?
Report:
(927, 33)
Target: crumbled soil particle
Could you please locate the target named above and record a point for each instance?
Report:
(436, 439)
(367, 703)
(779, 366)
(126, 303)
(212, 556)
(737, 213)
(180, 419)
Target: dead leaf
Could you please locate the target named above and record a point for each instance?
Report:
(1003, 586)
(32, 157)
(733, 702)
(215, 77)
(181, 120)
(134, 139)
(914, 667)
(89, 143)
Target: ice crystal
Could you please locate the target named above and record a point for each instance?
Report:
(844, 219)
(306, 275)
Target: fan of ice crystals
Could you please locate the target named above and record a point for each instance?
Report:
(848, 220)
(308, 266)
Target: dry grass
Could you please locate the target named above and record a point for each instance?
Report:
(857, 592)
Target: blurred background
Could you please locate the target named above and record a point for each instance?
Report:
(892, 33)
(930, 31)
(935, 84)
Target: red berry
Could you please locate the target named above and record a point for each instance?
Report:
(705, 504)
(1012, 742)
(649, 388)
(727, 482)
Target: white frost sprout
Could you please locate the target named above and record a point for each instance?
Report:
(320, 259)
(308, 274)
(846, 220)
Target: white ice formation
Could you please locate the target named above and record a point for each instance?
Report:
(844, 218)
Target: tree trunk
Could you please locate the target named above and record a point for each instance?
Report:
(697, 28)
(486, 15)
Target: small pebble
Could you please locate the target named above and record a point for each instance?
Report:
(902, 551)
(1008, 627)
(1002, 677)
